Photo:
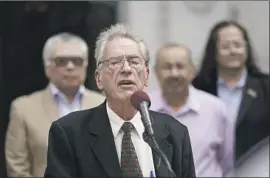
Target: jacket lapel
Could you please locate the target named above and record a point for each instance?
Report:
(103, 146)
(49, 105)
(250, 93)
(102, 143)
(162, 136)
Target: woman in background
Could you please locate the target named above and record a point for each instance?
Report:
(228, 71)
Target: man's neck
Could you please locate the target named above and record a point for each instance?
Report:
(176, 100)
(69, 93)
(231, 77)
(123, 109)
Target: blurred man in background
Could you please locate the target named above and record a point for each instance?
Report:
(25, 26)
(211, 131)
(229, 71)
(65, 59)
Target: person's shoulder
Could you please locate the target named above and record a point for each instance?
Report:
(205, 97)
(76, 123)
(168, 121)
(76, 118)
(260, 76)
(94, 96)
(25, 100)
(261, 79)
(94, 93)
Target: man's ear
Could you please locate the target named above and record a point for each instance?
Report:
(98, 80)
(47, 71)
(192, 72)
(146, 83)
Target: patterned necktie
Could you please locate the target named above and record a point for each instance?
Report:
(130, 166)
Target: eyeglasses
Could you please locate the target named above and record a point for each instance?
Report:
(118, 62)
(63, 61)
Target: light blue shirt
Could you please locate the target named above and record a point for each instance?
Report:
(64, 106)
(232, 96)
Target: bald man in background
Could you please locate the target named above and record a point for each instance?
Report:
(205, 115)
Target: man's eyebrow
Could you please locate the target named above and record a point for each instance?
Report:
(132, 55)
(128, 56)
(115, 57)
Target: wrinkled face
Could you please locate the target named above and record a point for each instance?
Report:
(174, 70)
(231, 48)
(67, 66)
(122, 70)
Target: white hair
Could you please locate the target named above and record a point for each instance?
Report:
(118, 31)
(63, 37)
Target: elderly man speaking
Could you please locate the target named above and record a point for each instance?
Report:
(106, 141)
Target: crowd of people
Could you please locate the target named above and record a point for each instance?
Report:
(205, 120)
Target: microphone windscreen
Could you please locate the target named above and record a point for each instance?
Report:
(138, 97)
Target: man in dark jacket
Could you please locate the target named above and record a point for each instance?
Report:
(229, 72)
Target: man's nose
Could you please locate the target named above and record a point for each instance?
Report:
(174, 72)
(126, 66)
(233, 49)
(70, 65)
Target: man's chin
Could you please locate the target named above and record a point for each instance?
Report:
(175, 89)
(234, 65)
(72, 82)
(72, 85)
(125, 95)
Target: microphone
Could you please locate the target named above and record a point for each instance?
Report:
(141, 101)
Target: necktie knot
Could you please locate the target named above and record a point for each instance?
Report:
(127, 127)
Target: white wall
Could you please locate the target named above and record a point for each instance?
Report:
(186, 22)
(143, 17)
(255, 16)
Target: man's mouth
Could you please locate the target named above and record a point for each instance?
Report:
(70, 76)
(175, 84)
(126, 83)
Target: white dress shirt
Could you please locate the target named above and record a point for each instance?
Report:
(143, 150)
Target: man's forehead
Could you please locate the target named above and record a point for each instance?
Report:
(230, 30)
(121, 44)
(68, 52)
(174, 55)
(122, 47)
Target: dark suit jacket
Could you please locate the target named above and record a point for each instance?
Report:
(81, 144)
(253, 117)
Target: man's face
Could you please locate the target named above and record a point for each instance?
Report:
(231, 48)
(68, 65)
(174, 69)
(122, 70)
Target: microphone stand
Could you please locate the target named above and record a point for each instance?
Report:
(150, 139)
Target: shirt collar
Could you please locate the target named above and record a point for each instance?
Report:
(56, 92)
(117, 122)
(191, 104)
(241, 82)
(193, 99)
